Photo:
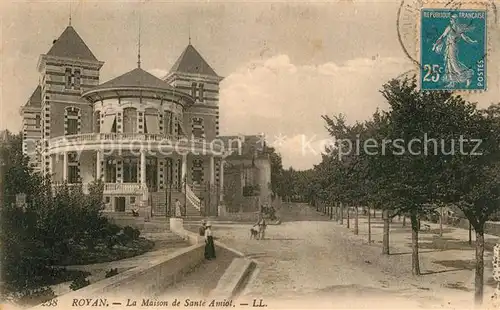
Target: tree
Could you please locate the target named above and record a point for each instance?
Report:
(472, 180)
(276, 171)
(420, 117)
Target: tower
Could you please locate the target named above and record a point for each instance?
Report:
(68, 69)
(193, 75)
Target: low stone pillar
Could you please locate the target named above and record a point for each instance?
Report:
(145, 210)
(222, 210)
(176, 224)
(496, 274)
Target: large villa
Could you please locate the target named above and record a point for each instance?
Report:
(150, 140)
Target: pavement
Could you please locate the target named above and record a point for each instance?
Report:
(311, 261)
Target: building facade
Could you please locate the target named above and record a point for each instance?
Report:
(150, 140)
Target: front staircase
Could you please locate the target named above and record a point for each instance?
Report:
(159, 202)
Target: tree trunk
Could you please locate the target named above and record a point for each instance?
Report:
(415, 265)
(470, 234)
(385, 239)
(441, 222)
(404, 220)
(356, 221)
(369, 226)
(331, 211)
(336, 212)
(341, 213)
(479, 280)
(374, 213)
(348, 217)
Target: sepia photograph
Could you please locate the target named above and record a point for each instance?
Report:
(334, 154)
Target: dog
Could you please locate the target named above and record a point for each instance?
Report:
(254, 233)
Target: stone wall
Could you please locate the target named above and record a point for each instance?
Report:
(148, 279)
(490, 228)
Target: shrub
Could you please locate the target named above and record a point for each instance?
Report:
(111, 272)
(131, 232)
(79, 283)
(251, 190)
(36, 296)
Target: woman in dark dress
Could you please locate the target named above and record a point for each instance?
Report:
(209, 242)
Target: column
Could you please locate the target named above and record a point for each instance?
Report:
(143, 167)
(221, 179)
(184, 169)
(144, 202)
(211, 170)
(104, 164)
(51, 166)
(98, 165)
(65, 166)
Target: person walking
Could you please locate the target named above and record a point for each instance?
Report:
(262, 226)
(209, 242)
(178, 212)
(202, 228)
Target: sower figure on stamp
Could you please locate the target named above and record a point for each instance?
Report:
(209, 242)
(455, 71)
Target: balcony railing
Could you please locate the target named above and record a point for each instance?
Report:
(110, 188)
(120, 138)
(124, 188)
(114, 137)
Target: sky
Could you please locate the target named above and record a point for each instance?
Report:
(284, 64)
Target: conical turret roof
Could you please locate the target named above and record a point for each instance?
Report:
(71, 45)
(136, 78)
(192, 62)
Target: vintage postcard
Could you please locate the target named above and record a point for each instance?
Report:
(340, 154)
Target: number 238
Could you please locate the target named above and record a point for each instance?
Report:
(50, 303)
(432, 73)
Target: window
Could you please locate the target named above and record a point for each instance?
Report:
(197, 127)
(201, 92)
(132, 200)
(130, 170)
(38, 121)
(193, 90)
(111, 171)
(129, 120)
(97, 121)
(113, 128)
(68, 78)
(73, 173)
(151, 121)
(72, 121)
(167, 123)
(197, 171)
(76, 79)
(72, 127)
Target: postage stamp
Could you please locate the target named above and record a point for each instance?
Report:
(453, 49)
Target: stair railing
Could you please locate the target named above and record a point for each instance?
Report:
(192, 198)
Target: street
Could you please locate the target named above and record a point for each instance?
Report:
(309, 258)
